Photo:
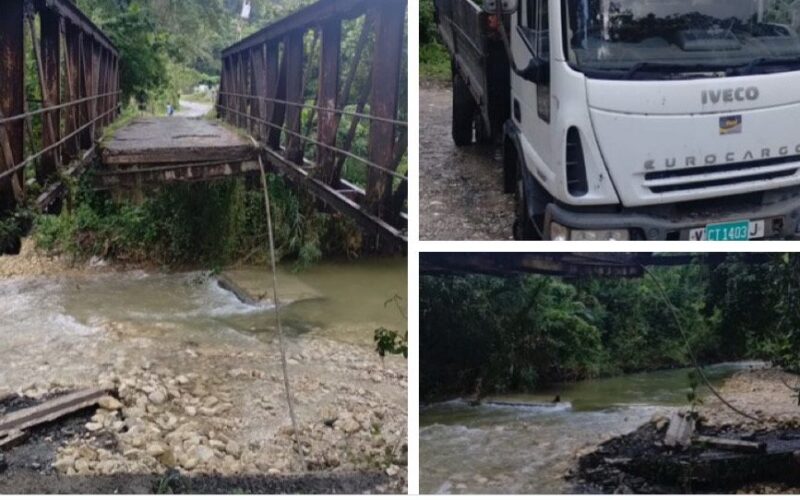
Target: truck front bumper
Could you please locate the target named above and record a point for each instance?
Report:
(779, 211)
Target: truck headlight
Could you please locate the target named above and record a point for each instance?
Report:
(561, 233)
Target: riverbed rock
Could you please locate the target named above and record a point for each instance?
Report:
(109, 403)
(156, 449)
(94, 426)
(158, 396)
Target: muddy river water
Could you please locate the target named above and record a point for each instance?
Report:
(529, 449)
(345, 301)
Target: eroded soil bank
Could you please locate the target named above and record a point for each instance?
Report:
(639, 462)
(199, 403)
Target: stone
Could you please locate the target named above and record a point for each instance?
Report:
(109, 403)
(158, 396)
(182, 379)
(191, 411)
(94, 426)
(81, 466)
(156, 449)
(233, 448)
(167, 459)
(202, 453)
(189, 463)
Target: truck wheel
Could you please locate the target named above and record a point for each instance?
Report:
(524, 228)
(463, 111)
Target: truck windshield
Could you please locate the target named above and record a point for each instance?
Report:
(651, 39)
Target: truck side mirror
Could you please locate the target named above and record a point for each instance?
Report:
(506, 6)
(537, 71)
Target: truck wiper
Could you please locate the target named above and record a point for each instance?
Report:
(750, 67)
(675, 68)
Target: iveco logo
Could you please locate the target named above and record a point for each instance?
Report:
(740, 94)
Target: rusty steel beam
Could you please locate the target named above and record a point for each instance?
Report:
(69, 11)
(259, 87)
(394, 238)
(390, 20)
(73, 72)
(12, 99)
(50, 48)
(301, 20)
(276, 111)
(295, 56)
(327, 97)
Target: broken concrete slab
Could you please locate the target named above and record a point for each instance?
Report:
(256, 285)
(49, 411)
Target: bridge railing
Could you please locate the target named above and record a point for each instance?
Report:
(76, 96)
(323, 91)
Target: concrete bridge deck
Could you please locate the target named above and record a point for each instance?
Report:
(167, 149)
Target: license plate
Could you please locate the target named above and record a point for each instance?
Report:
(729, 231)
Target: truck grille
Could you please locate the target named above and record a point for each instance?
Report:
(688, 179)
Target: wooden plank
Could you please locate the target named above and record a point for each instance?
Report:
(385, 98)
(12, 98)
(328, 98)
(50, 410)
(731, 444)
(295, 56)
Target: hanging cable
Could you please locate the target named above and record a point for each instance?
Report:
(281, 342)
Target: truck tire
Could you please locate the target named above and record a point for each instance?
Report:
(464, 111)
(524, 227)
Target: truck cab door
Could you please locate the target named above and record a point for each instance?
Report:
(531, 103)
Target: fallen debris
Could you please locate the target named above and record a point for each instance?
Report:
(227, 283)
(731, 444)
(12, 439)
(679, 431)
(49, 411)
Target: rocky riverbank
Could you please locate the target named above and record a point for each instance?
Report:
(212, 412)
(639, 462)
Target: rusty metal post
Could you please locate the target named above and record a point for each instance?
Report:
(259, 88)
(276, 111)
(85, 89)
(95, 89)
(73, 81)
(328, 98)
(224, 86)
(50, 44)
(383, 103)
(295, 56)
(12, 99)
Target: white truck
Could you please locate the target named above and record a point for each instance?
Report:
(634, 119)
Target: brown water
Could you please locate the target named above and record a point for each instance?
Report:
(495, 448)
(348, 304)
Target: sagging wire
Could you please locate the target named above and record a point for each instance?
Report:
(281, 341)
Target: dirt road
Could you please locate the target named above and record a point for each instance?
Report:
(461, 190)
(193, 109)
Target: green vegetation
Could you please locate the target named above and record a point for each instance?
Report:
(527, 332)
(434, 60)
(211, 224)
